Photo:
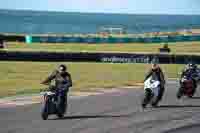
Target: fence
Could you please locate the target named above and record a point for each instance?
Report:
(97, 57)
(50, 39)
(109, 39)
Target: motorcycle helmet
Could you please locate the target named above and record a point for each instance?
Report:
(155, 66)
(192, 66)
(62, 67)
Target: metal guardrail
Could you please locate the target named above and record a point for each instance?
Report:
(108, 39)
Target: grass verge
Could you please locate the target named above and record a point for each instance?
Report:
(25, 77)
(177, 48)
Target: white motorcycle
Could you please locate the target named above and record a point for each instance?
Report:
(151, 90)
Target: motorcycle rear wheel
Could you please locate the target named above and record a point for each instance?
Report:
(193, 92)
(60, 115)
(154, 103)
(61, 109)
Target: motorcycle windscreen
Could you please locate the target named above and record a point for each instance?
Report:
(154, 86)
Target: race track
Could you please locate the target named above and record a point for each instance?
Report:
(116, 112)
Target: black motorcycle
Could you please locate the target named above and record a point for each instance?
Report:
(54, 102)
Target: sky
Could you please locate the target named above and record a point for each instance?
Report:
(108, 6)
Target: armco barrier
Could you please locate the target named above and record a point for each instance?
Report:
(110, 39)
(97, 57)
(178, 38)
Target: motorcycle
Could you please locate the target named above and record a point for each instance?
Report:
(187, 87)
(151, 90)
(54, 102)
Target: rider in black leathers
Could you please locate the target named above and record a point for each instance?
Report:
(191, 69)
(62, 80)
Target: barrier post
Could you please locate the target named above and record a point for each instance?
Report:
(28, 39)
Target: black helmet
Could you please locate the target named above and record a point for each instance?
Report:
(192, 66)
(154, 62)
(62, 67)
(155, 66)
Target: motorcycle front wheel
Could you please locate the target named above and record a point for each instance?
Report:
(45, 112)
(147, 98)
(179, 93)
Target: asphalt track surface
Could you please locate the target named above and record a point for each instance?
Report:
(117, 112)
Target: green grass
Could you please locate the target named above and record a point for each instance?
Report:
(25, 77)
(178, 48)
